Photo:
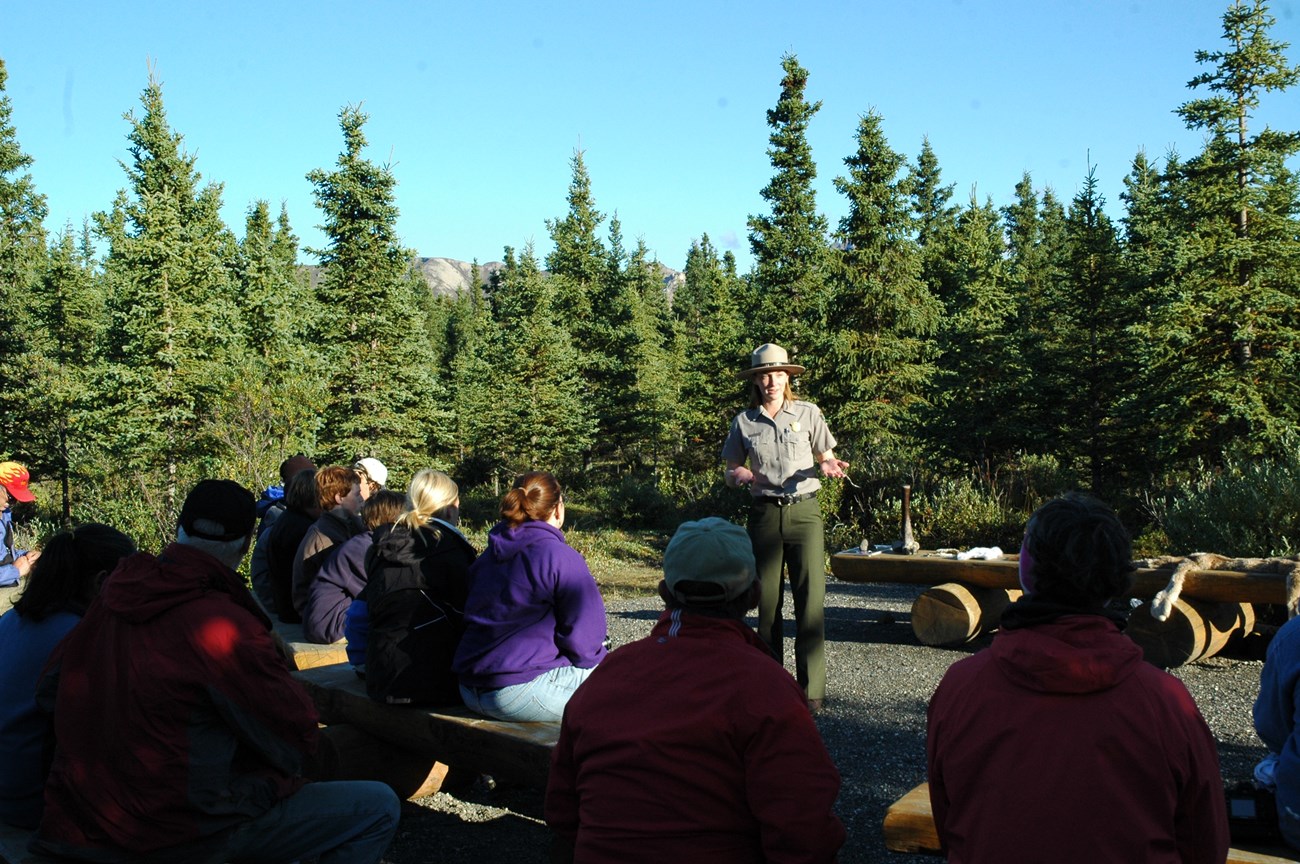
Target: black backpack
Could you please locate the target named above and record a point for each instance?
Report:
(415, 597)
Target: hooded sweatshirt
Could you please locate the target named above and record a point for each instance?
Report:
(171, 695)
(533, 606)
(1058, 743)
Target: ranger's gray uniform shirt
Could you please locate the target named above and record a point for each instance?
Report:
(780, 449)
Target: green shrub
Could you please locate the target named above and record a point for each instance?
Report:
(632, 500)
(1248, 508)
(962, 512)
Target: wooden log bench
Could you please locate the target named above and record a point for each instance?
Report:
(966, 598)
(909, 827)
(516, 752)
(303, 654)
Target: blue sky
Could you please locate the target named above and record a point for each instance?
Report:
(478, 107)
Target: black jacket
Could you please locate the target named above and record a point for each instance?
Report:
(415, 596)
(283, 538)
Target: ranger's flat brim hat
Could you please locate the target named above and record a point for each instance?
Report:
(769, 358)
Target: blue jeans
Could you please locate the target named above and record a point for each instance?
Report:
(540, 700)
(344, 822)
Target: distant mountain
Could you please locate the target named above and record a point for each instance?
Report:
(447, 276)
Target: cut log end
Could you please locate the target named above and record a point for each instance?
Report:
(1195, 630)
(954, 613)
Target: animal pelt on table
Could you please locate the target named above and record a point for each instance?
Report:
(1163, 602)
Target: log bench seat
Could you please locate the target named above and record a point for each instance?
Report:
(516, 752)
(909, 827)
(307, 655)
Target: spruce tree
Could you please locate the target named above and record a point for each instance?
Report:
(1228, 336)
(653, 359)
(382, 397)
(22, 259)
(608, 346)
(880, 360)
(271, 409)
(527, 405)
(55, 372)
(1093, 349)
(789, 243)
(1034, 234)
(980, 365)
(173, 320)
(713, 345)
(578, 265)
(935, 219)
(577, 262)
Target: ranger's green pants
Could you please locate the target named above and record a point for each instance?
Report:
(791, 538)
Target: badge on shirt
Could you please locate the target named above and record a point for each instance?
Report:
(794, 427)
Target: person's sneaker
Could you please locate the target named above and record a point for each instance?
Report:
(815, 706)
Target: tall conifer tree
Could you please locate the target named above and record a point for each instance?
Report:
(790, 243)
(880, 358)
(578, 265)
(1228, 336)
(528, 407)
(1094, 353)
(383, 398)
(56, 370)
(979, 363)
(712, 330)
(22, 258)
(272, 406)
(174, 322)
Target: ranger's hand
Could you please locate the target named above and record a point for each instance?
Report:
(833, 467)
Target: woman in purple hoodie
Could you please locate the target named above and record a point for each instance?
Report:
(534, 620)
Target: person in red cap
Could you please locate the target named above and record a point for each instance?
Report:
(14, 563)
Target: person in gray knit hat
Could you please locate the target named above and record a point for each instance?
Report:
(785, 442)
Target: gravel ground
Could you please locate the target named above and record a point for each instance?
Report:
(874, 726)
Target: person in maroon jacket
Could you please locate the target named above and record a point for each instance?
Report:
(1058, 742)
(694, 744)
(180, 734)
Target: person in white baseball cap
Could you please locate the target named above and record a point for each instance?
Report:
(373, 474)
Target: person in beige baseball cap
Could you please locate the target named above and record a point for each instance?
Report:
(785, 442)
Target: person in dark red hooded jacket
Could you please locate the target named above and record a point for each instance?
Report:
(1059, 742)
(180, 734)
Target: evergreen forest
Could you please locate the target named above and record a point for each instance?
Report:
(987, 355)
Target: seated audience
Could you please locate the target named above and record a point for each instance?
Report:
(694, 744)
(181, 734)
(534, 619)
(1059, 742)
(1276, 711)
(415, 596)
(55, 595)
(283, 537)
(338, 493)
(269, 508)
(343, 575)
